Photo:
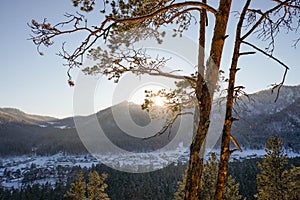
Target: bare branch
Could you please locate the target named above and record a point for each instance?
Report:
(247, 53)
(296, 6)
(169, 75)
(279, 86)
(265, 14)
(168, 125)
(266, 54)
(276, 86)
(236, 143)
(296, 42)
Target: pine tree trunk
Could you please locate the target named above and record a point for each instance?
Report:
(226, 134)
(204, 93)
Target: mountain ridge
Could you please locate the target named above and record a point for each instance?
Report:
(259, 118)
(14, 115)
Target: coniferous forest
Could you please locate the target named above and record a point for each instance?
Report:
(256, 178)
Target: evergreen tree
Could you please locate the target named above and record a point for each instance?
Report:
(232, 189)
(294, 182)
(275, 182)
(94, 191)
(59, 190)
(78, 189)
(208, 183)
(179, 194)
(96, 186)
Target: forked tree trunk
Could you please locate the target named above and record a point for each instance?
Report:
(226, 135)
(204, 93)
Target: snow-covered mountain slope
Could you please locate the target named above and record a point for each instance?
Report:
(12, 115)
(259, 118)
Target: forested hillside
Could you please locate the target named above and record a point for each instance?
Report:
(156, 185)
(259, 118)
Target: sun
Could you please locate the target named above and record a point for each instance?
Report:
(138, 96)
(159, 101)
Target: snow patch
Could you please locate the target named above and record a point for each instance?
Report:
(42, 126)
(52, 123)
(61, 127)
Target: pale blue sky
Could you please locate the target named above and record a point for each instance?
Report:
(38, 84)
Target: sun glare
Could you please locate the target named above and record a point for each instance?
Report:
(138, 96)
(159, 101)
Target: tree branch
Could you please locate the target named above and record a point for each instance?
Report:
(169, 75)
(45, 32)
(168, 125)
(276, 86)
(161, 10)
(279, 86)
(264, 15)
(287, 5)
(247, 53)
(236, 143)
(266, 54)
(177, 5)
